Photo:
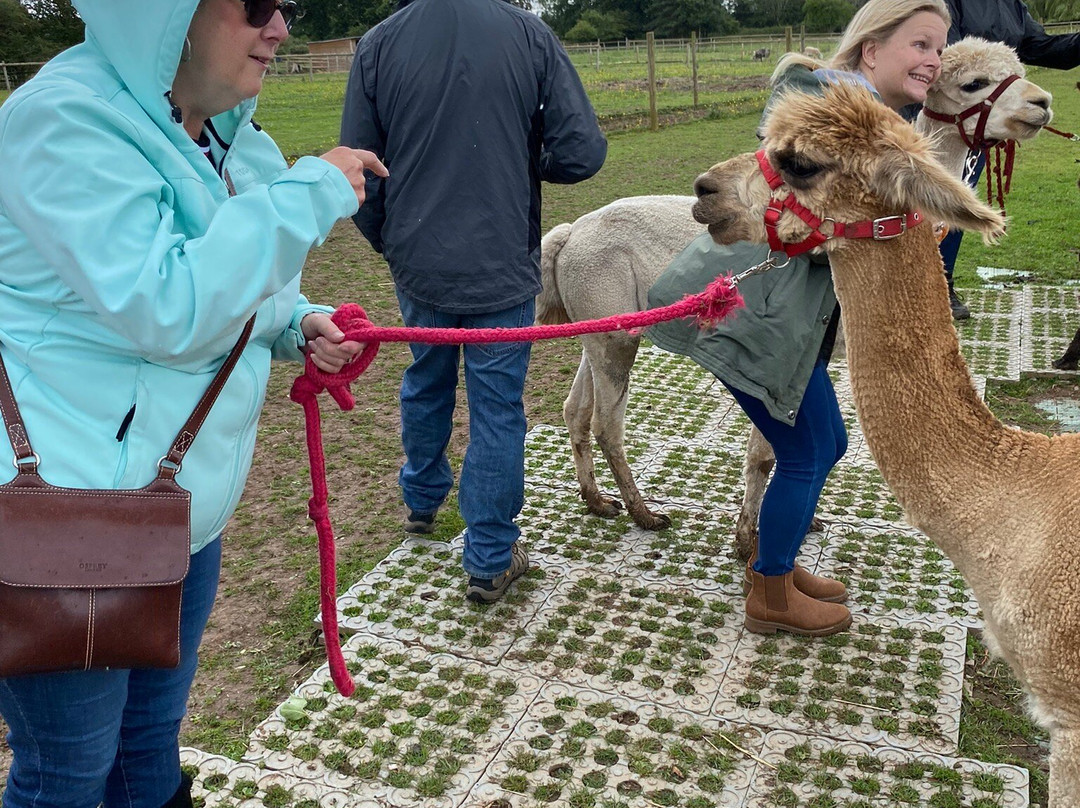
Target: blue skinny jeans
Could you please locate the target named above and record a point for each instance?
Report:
(806, 452)
(85, 738)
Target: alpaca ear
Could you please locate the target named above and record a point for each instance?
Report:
(918, 182)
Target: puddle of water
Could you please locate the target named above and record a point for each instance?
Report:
(1066, 411)
(998, 278)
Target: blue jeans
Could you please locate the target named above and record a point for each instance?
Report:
(87, 737)
(950, 245)
(805, 453)
(492, 488)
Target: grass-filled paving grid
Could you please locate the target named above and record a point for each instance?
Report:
(990, 339)
(898, 572)
(1051, 318)
(857, 492)
(815, 773)
(671, 397)
(697, 550)
(421, 726)
(581, 748)
(417, 594)
(668, 645)
(549, 459)
(881, 682)
(556, 526)
(701, 474)
(221, 783)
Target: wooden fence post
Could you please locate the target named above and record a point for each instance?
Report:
(693, 64)
(787, 39)
(654, 121)
(598, 54)
(802, 37)
(7, 81)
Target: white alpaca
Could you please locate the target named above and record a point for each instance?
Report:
(606, 261)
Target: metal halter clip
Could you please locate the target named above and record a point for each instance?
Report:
(771, 262)
(879, 229)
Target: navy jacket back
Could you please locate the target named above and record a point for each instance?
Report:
(470, 103)
(1008, 21)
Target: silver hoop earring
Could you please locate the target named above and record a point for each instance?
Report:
(185, 52)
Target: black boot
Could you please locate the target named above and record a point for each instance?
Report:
(182, 797)
(959, 310)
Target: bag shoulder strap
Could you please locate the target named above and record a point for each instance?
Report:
(27, 461)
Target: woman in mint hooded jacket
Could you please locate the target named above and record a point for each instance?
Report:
(771, 355)
(144, 218)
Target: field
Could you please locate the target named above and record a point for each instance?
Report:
(261, 641)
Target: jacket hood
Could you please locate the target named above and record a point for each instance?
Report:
(142, 41)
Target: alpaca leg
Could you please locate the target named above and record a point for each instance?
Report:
(1064, 768)
(613, 356)
(1069, 359)
(578, 414)
(759, 463)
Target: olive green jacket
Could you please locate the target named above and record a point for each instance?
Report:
(767, 349)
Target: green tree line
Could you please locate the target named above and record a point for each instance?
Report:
(35, 30)
(38, 30)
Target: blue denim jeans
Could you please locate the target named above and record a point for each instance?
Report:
(492, 488)
(805, 453)
(87, 737)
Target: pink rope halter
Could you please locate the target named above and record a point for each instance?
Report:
(711, 306)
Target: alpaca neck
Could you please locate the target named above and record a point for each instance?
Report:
(931, 435)
(949, 149)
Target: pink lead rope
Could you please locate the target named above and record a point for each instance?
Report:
(719, 299)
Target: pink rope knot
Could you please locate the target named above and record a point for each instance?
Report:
(349, 317)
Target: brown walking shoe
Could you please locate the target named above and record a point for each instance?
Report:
(774, 604)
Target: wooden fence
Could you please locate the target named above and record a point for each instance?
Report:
(665, 51)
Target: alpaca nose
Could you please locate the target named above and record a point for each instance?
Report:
(706, 184)
(1042, 101)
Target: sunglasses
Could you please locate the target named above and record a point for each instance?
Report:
(260, 12)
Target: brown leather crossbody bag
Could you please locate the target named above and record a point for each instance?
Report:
(92, 578)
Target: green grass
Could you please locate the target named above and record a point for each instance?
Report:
(994, 726)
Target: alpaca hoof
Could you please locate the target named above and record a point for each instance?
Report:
(816, 526)
(1065, 363)
(652, 521)
(607, 507)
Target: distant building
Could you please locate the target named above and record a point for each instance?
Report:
(333, 46)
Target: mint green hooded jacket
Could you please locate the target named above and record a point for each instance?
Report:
(127, 272)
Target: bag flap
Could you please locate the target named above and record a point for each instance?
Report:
(69, 537)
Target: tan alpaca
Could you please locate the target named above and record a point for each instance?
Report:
(1000, 502)
(606, 261)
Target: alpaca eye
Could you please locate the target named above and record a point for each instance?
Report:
(974, 86)
(800, 170)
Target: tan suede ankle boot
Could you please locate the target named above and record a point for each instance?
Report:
(816, 586)
(774, 604)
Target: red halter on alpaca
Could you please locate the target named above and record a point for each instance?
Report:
(978, 141)
(882, 229)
